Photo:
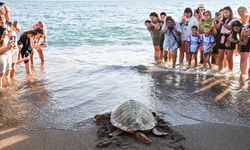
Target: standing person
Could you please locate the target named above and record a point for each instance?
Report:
(244, 17)
(188, 20)
(163, 16)
(216, 29)
(199, 12)
(5, 63)
(244, 50)
(27, 39)
(41, 44)
(225, 31)
(154, 27)
(207, 20)
(172, 33)
(207, 42)
(194, 42)
(15, 28)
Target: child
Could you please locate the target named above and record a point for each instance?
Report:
(194, 41)
(208, 42)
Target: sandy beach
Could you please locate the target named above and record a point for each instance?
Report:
(198, 137)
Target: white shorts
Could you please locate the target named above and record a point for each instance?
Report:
(3, 63)
(8, 60)
(14, 55)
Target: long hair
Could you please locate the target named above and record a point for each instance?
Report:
(230, 10)
(2, 30)
(32, 32)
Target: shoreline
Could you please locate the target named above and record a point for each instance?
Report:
(205, 136)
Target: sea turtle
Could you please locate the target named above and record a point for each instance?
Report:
(133, 117)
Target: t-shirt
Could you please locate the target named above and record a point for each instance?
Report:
(207, 42)
(225, 30)
(187, 28)
(194, 42)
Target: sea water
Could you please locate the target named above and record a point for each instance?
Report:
(98, 56)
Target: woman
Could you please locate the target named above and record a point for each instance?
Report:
(27, 39)
(245, 51)
(244, 18)
(188, 20)
(5, 55)
(41, 44)
(154, 27)
(225, 24)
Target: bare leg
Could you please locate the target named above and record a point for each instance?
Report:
(204, 61)
(165, 53)
(195, 59)
(190, 60)
(12, 72)
(230, 59)
(1, 80)
(27, 67)
(32, 57)
(187, 51)
(174, 54)
(158, 53)
(182, 49)
(40, 52)
(5, 79)
(243, 62)
(221, 58)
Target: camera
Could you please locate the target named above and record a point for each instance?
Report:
(197, 10)
(147, 22)
(171, 28)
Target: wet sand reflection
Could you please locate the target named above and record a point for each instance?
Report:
(22, 100)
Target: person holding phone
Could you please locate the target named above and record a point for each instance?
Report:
(225, 25)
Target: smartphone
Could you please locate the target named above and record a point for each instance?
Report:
(15, 24)
(12, 39)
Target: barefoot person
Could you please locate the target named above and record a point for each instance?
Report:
(226, 28)
(27, 39)
(244, 51)
(41, 41)
(208, 43)
(194, 42)
(154, 27)
(15, 28)
(172, 33)
(5, 54)
(188, 20)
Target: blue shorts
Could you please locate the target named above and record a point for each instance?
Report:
(193, 53)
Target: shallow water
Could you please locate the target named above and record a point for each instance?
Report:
(97, 56)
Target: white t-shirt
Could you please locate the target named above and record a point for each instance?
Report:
(187, 28)
(225, 30)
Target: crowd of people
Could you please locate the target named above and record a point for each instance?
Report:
(15, 51)
(214, 40)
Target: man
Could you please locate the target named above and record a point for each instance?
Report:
(154, 27)
(172, 31)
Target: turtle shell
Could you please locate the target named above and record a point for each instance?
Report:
(133, 116)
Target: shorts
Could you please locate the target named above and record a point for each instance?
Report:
(245, 48)
(14, 56)
(207, 54)
(221, 44)
(193, 53)
(215, 49)
(5, 62)
(156, 42)
(26, 53)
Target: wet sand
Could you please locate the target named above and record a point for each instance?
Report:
(198, 137)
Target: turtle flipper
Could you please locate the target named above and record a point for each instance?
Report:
(159, 133)
(142, 137)
(116, 132)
